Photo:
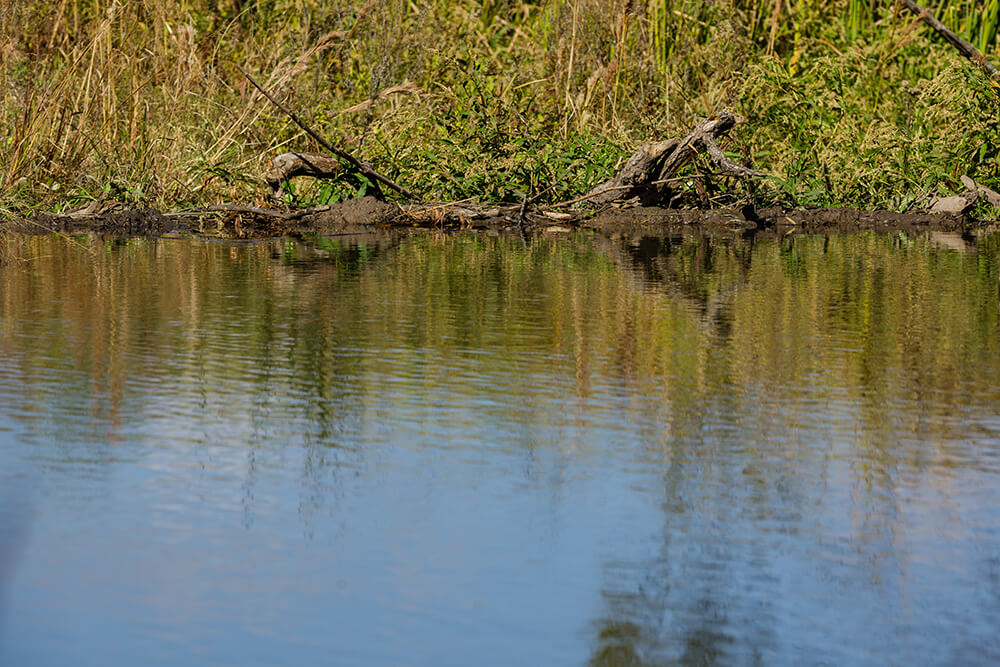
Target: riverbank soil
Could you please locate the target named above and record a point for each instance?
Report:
(367, 213)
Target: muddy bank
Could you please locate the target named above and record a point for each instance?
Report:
(367, 214)
(832, 220)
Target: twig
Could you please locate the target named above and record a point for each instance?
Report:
(966, 49)
(719, 156)
(360, 166)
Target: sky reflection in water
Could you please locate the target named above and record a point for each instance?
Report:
(467, 450)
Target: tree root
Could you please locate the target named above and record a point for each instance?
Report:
(647, 176)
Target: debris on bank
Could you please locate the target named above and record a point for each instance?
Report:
(643, 197)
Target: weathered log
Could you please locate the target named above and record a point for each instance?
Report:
(287, 166)
(703, 137)
(355, 164)
(991, 196)
(649, 172)
(633, 180)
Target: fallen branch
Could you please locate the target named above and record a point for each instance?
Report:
(634, 178)
(964, 47)
(728, 166)
(286, 166)
(981, 190)
(357, 165)
(649, 171)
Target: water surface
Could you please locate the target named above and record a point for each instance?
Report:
(460, 449)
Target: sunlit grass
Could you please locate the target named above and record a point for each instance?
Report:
(847, 103)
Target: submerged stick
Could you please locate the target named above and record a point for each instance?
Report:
(964, 47)
(358, 165)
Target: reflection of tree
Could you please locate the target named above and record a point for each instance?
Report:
(686, 604)
(685, 608)
(702, 271)
(854, 316)
(724, 356)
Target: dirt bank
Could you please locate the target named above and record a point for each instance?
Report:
(366, 214)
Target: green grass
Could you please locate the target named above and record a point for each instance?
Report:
(847, 103)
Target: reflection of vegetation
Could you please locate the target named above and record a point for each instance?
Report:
(723, 355)
(865, 324)
(904, 317)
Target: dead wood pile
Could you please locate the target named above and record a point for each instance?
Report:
(647, 178)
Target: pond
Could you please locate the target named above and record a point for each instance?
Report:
(486, 450)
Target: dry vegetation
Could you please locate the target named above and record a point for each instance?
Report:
(141, 101)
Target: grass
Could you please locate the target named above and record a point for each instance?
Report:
(847, 103)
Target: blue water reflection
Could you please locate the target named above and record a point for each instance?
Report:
(459, 450)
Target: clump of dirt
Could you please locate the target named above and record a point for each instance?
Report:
(350, 214)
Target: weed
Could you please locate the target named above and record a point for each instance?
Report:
(847, 102)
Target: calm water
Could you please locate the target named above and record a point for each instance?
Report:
(463, 450)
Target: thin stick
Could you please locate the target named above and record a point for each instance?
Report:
(966, 49)
(346, 157)
(719, 157)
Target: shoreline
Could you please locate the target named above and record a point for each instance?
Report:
(368, 214)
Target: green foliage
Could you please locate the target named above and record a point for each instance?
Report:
(847, 102)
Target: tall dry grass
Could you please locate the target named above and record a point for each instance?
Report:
(140, 101)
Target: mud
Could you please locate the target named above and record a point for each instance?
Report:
(367, 214)
(125, 223)
(649, 220)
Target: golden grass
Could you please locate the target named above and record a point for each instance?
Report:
(141, 101)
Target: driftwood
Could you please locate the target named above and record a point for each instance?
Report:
(649, 173)
(287, 166)
(355, 165)
(635, 178)
(966, 49)
(981, 190)
(647, 178)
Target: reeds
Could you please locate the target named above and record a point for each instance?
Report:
(141, 101)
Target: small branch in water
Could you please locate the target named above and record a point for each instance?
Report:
(358, 165)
